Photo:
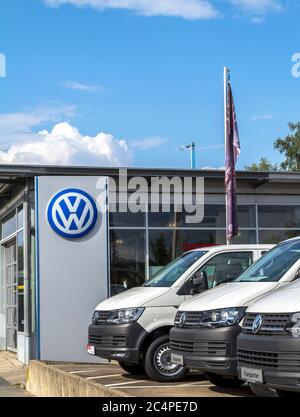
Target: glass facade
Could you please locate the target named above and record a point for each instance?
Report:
(141, 244)
(12, 242)
(127, 259)
(9, 225)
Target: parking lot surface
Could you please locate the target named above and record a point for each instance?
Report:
(114, 377)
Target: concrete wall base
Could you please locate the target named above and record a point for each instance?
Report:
(46, 380)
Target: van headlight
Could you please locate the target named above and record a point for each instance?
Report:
(224, 317)
(293, 326)
(128, 315)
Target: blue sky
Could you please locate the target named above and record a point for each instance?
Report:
(148, 74)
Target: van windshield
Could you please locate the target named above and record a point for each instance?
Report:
(274, 264)
(167, 276)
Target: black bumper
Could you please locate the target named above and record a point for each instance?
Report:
(209, 350)
(119, 342)
(277, 356)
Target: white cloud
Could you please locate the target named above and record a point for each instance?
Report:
(17, 127)
(258, 7)
(263, 117)
(67, 146)
(187, 9)
(73, 85)
(148, 143)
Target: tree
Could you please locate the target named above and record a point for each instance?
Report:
(263, 165)
(290, 148)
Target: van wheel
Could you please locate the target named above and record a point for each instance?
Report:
(262, 390)
(223, 382)
(132, 368)
(158, 365)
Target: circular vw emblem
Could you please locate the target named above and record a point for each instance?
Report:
(182, 320)
(257, 324)
(72, 213)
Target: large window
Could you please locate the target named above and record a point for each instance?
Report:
(12, 227)
(9, 225)
(127, 219)
(279, 217)
(127, 259)
(143, 243)
(214, 217)
(166, 245)
(276, 236)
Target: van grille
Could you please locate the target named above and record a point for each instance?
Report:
(272, 325)
(199, 348)
(192, 319)
(107, 341)
(281, 361)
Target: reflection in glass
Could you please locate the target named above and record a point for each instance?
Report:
(9, 224)
(279, 217)
(214, 217)
(127, 219)
(245, 237)
(127, 259)
(166, 245)
(276, 236)
(20, 218)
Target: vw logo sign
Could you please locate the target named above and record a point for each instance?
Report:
(72, 213)
(182, 320)
(257, 324)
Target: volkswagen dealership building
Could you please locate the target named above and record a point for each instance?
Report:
(62, 252)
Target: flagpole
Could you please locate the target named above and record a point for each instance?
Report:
(226, 72)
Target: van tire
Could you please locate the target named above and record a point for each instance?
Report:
(155, 360)
(222, 382)
(132, 368)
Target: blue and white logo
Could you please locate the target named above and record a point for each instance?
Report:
(72, 213)
(182, 319)
(257, 323)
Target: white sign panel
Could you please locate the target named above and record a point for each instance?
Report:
(72, 262)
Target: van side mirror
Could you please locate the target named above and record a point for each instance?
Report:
(199, 281)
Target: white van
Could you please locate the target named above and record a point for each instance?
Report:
(133, 327)
(269, 345)
(207, 327)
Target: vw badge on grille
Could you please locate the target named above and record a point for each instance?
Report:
(257, 324)
(182, 320)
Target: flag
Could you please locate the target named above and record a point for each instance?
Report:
(232, 151)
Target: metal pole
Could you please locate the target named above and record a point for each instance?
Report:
(193, 155)
(226, 72)
(27, 273)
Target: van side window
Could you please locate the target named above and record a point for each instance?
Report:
(226, 267)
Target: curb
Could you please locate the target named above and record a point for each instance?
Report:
(46, 380)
